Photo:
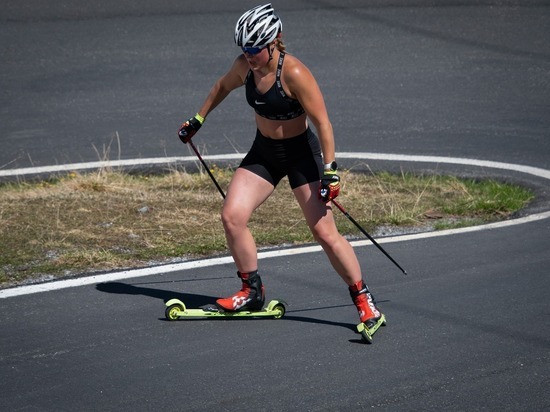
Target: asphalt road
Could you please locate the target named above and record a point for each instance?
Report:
(468, 329)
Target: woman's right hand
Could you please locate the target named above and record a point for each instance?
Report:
(188, 129)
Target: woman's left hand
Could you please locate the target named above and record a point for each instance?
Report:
(330, 186)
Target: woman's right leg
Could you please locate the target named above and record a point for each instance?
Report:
(246, 192)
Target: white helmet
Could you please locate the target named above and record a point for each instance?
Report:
(258, 27)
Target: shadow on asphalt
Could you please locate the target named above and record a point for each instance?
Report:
(195, 301)
(190, 299)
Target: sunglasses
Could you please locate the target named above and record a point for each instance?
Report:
(252, 51)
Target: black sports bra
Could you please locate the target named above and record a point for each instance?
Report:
(274, 104)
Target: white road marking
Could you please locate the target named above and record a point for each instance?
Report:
(112, 163)
(155, 270)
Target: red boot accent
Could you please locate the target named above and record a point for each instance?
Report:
(250, 297)
(364, 301)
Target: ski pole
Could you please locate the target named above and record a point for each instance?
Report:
(338, 205)
(374, 242)
(207, 168)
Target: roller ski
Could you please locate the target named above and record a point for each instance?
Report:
(369, 328)
(371, 317)
(176, 310)
(246, 303)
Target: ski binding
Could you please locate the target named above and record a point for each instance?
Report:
(175, 309)
(367, 333)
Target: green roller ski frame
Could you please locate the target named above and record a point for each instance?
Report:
(368, 333)
(175, 309)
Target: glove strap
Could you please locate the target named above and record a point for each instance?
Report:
(199, 118)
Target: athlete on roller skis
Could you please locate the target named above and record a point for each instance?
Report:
(285, 97)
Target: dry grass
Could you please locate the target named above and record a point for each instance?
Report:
(110, 220)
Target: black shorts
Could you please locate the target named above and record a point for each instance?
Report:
(298, 157)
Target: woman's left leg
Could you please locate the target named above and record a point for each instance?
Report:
(340, 253)
(320, 220)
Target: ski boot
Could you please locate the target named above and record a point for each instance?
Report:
(370, 316)
(251, 297)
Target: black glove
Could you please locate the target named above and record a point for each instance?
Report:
(190, 127)
(330, 185)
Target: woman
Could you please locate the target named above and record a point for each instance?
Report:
(285, 96)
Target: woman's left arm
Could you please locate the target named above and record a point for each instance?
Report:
(303, 87)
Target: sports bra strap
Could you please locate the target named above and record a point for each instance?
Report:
(278, 76)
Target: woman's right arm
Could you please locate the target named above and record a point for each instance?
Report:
(230, 81)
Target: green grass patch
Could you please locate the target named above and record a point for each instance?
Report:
(108, 220)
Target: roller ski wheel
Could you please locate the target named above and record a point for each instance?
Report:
(367, 333)
(173, 310)
(176, 310)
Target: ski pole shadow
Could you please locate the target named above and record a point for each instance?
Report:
(350, 326)
(292, 315)
(318, 321)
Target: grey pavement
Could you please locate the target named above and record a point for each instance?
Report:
(468, 329)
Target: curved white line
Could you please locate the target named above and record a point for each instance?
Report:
(535, 171)
(237, 156)
(126, 274)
